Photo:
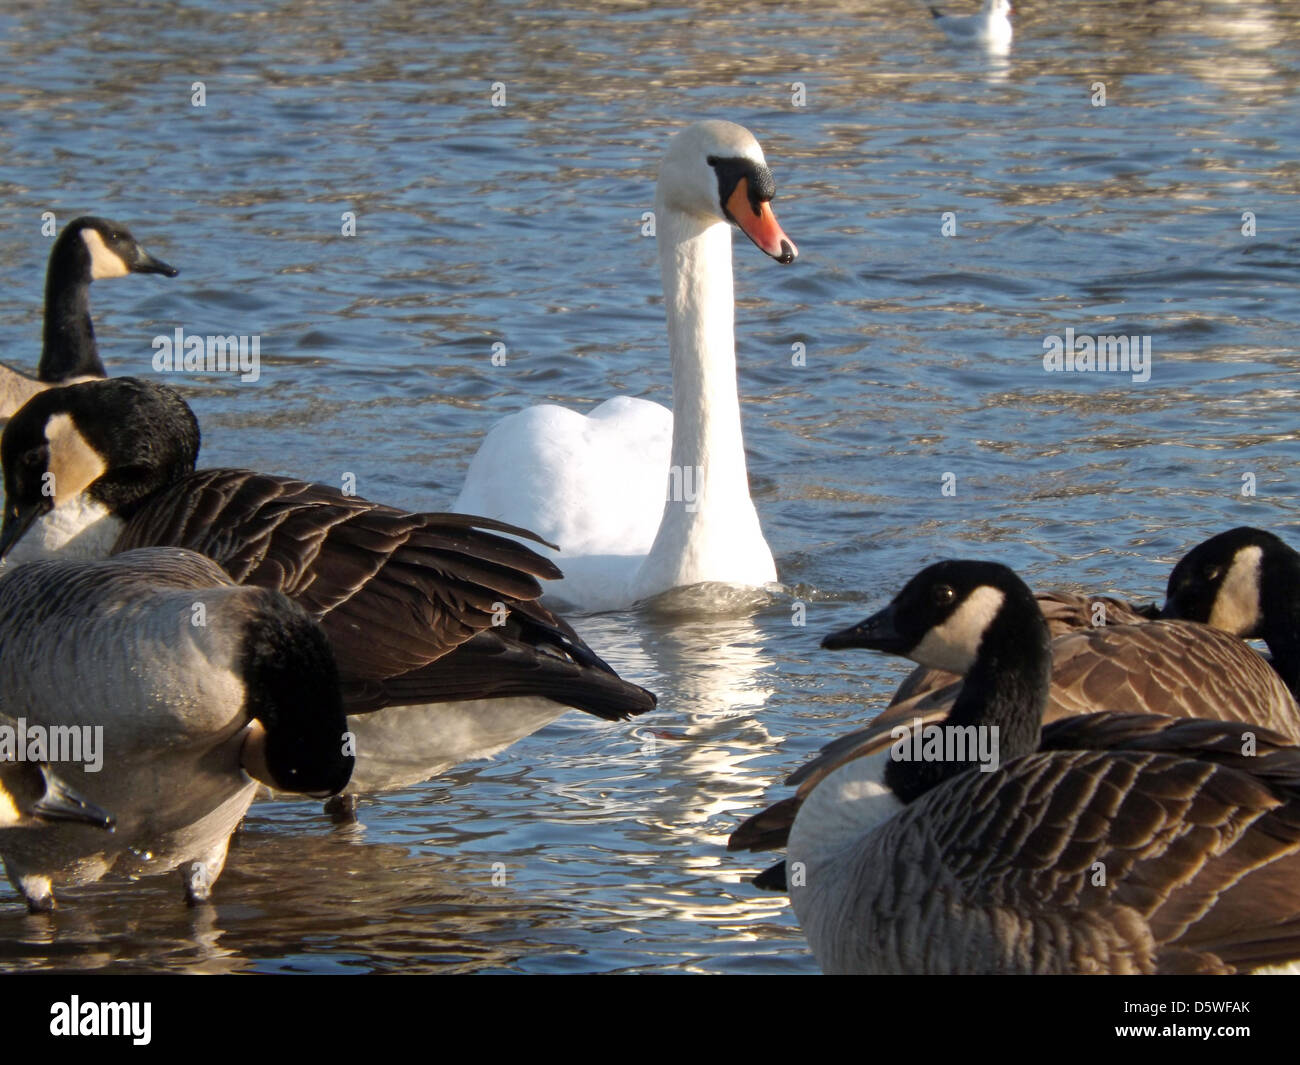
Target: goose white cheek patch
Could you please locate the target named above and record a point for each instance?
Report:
(74, 463)
(1236, 607)
(952, 645)
(103, 261)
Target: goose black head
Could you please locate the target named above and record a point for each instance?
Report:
(1224, 581)
(943, 615)
(112, 443)
(87, 250)
(292, 690)
(977, 619)
(93, 249)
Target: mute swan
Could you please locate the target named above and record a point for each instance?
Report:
(639, 499)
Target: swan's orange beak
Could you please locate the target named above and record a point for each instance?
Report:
(760, 224)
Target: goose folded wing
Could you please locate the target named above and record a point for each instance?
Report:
(394, 591)
(1169, 667)
(497, 664)
(1204, 855)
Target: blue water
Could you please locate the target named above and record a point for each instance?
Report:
(597, 847)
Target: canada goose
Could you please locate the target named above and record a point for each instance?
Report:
(419, 608)
(1104, 842)
(172, 686)
(88, 249)
(1133, 665)
(641, 499)
(1247, 582)
(991, 27)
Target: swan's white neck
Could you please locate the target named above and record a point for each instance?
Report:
(695, 263)
(709, 530)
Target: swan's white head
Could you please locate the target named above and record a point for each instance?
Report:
(716, 170)
(998, 7)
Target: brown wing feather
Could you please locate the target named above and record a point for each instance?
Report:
(394, 591)
(1187, 861)
(1161, 667)
(1173, 669)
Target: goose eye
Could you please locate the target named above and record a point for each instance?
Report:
(33, 457)
(944, 594)
(1213, 573)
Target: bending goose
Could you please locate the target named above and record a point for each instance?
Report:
(1101, 843)
(991, 27)
(640, 499)
(88, 249)
(419, 608)
(173, 685)
(1247, 582)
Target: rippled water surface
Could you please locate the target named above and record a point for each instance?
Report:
(600, 847)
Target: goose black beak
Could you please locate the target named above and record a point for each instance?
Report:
(146, 264)
(18, 519)
(61, 803)
(878, 633)
(760, 224)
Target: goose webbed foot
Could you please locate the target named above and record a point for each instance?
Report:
(38, 893)
(342, 809)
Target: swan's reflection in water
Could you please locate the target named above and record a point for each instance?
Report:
(688, 767)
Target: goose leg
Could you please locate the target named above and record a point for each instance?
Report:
(199, 875)
(342, 809)
(38, 891)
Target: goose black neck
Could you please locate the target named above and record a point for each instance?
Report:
(1006, 688)
(68, 348)
(1279, 605)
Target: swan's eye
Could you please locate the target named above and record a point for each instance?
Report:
(944, 594)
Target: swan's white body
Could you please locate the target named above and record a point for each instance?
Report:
(639, 499)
